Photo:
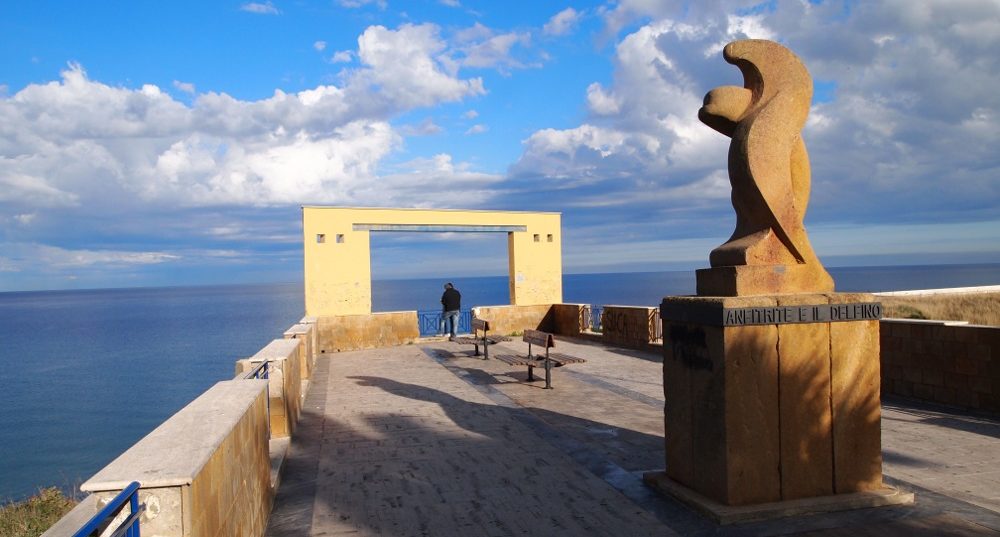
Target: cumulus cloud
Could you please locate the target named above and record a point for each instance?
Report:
(320, 46)
(470, 114)
(266, 8)
(109, 155)
(479, 128)
(562, 23)
(907, 133)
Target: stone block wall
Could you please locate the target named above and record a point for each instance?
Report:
(942, 362)
(307, 355)
(284, 382)
(205, 471)
(629, 326)
(355, 332)
(512, 319)
(568, 319)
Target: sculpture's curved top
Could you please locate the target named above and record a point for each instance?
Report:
(769, 251)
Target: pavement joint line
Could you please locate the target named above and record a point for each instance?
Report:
(614, 388)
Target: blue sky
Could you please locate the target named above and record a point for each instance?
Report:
(173, 143)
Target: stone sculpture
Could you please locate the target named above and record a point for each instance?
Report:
(769, 251)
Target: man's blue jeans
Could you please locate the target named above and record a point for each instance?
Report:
(453, 315)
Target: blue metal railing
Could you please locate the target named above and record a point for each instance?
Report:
(259, 372)
(429, 322)
(595, 318)
(129, 527)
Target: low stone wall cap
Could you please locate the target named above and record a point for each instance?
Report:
(174, 453)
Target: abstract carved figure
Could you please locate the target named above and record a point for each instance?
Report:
(769, 251)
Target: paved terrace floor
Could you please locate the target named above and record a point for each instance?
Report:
(425, 440)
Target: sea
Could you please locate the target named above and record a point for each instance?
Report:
(86, 374)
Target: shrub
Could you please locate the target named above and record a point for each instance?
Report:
(33, 516)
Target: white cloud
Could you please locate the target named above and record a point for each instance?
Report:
(266, 8)
(451, 3)
(31, 191)
(186, 87)
(600, 102)
(354, 4)
(316, 145)
(470, 114)
(410, 67)
(320, 46)
(562, 23)
(342, 56)
(25, 219)
(477, 129)
(424, 128)
(481, 47)
(22, 256)
(892, 143)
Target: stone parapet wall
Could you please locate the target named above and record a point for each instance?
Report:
(630, 326)
(569, 319)
(284, 382)
(307, 354)
(355, 332)
(942, 362)
(516, 319)
(205, 471)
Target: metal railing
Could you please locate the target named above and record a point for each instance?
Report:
(655, 327)
(129, 527)
(592, 317)
(429, 322)
(259, 372)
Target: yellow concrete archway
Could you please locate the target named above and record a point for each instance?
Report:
(337, 252)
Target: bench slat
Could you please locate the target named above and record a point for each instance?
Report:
(565, 358)
(537, 337)
(510, 359)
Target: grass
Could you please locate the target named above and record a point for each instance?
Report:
(33, 516)
(978, 308)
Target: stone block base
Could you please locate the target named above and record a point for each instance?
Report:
(745, 280)
(728, 514)
(763, 404)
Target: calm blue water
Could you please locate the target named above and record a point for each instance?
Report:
(73, 362)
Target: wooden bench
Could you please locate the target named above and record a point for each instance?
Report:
(545, 341)
(479, 325)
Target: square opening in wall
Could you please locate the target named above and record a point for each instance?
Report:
(548, 237)
(537, 238)
(320, 238)
(340, 238)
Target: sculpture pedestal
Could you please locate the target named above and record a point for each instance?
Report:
(746, 280)
(772, 398)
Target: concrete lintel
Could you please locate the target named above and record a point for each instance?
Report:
(454, 228)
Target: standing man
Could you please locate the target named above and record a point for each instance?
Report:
(451, 301)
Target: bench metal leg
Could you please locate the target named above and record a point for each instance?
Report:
(531, 371)
(548, 373)
(477, 349)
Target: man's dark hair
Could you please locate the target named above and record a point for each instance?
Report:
(449, 285)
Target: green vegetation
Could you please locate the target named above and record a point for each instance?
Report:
(33, 516)
(979, 308)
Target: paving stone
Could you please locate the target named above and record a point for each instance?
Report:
(428, 440)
